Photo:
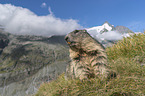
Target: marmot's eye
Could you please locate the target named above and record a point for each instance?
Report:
(66, 38)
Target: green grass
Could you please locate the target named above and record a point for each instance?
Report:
(125, 58)
(129, 47)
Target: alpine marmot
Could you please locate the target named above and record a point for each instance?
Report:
(88, 57)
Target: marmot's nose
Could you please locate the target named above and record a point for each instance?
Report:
(67, 40)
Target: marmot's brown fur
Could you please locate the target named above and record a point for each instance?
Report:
(88, 57)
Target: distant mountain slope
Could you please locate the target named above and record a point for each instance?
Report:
(123, 29)
(27, 61)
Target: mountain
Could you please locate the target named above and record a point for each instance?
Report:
(28, 61)
(3, 41)
(123, 29)
(106, 27)
(107, 34)
(101, 29)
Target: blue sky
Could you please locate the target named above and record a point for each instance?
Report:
(90, 13)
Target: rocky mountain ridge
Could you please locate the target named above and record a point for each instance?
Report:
(27, 61)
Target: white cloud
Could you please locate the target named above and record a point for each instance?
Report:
(20, 20)
(43, 5)
(49, 9)
(111, 35)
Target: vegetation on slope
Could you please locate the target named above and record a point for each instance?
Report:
(127, 58)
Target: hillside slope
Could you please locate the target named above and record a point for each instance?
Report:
(127, 58)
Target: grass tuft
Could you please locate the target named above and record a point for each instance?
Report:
(129, 47)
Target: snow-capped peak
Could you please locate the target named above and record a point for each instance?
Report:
(104, 28)
(107, 34)
(98, 30)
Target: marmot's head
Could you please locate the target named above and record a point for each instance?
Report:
(74, 39)
(80, 39)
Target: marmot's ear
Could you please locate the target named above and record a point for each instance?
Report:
(84, 30)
